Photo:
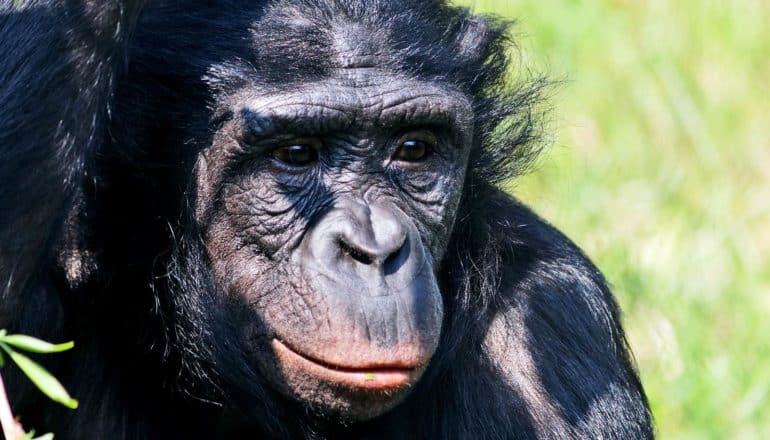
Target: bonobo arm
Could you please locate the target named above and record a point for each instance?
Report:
(556, 336)
(58, 61)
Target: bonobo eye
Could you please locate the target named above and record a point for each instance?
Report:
(415, 146)
(299, 152)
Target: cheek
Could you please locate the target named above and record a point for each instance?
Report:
(267, 293)
(433, 199)
(288, 301)
(265, 216)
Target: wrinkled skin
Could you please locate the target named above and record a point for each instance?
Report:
(344, 247)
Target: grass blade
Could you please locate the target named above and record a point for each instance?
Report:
(48, 384)
(34, 345)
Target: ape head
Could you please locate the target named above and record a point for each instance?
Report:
(329, 147)
(324, 209)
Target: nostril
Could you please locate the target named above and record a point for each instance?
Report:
(396, 259)
(356, 253)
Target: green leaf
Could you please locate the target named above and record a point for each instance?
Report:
(48, 384)
(34, 345)
(2, 360)
(3, 332)
(31, 436)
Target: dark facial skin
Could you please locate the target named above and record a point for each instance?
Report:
(326, 209)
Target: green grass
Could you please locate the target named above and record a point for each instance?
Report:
(660, 170)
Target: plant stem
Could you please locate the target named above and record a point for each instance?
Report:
(11, 428)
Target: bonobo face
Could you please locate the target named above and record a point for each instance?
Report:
(326, 209)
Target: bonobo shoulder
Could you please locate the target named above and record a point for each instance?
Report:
(528, 233)
(541, 268)
(555, 334)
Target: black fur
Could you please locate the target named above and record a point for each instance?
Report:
(98, 242)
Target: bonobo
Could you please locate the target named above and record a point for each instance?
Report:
(281, 219)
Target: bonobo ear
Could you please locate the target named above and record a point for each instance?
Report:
(475, 38)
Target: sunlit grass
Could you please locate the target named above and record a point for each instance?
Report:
(661, 172)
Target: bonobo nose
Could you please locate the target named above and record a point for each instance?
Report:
(363, 242)
(373, 235)
(356, 247)
(366, 262)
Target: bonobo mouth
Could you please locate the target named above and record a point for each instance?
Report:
(374, 377)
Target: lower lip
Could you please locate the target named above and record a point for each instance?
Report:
(379, 378)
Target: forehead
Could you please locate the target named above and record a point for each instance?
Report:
(351, 54)
(340, 68)
(328, 37)
(289, 44)
(353, 97)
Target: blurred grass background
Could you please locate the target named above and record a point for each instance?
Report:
(660, 170)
